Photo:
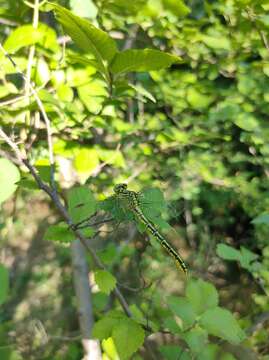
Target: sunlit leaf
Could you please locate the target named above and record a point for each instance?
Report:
(9, 176)
(105, 281)
(141, 60)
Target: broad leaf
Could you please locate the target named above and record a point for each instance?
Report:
(128, 336)
(86, 36)
(196, 339)
(105, 281)
(171, 352)
(60, 233)
(261, 219)
(201, 295)
(177, 7)
(183, 309)
(220, 322)
(109, 348)
(228, 252)
(26, 35)
(85, 162)
(209, 352)
(4, 281)
(141, 60)
(9, 176)
(81, 203)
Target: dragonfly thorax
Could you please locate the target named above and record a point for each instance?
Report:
(120, 188)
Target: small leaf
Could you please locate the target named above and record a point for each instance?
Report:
(220, 322)
(171, 352)
(247, 122)
(9, 176)
(143, 92)
(84, 8)
(228, 252)
(102, 329)
(183, 309)
(141, 60)
(105, 281)
(209, 352)
(201, 295)
(196, 339)
(177, 7)
(4, 281)
(110, 349)
(261, 219)
(128, 336)
(81, 203)
(60, 233)
(247, 257)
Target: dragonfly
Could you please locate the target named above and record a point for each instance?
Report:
(131, 201)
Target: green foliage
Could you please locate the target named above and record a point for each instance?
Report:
(200, 316)
(191, 120)
(244, 256)
(87, 37)
(220, 322)
(141, 60)
(105, 281)
(9, 176)
(127, 334)
(4, 280)
(81, 203)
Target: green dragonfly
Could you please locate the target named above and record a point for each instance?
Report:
(144, 208)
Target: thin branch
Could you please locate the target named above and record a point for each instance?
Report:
(43, 112)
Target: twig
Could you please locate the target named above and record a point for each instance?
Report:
(44, 114)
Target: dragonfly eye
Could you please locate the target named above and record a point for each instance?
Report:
(120, 188)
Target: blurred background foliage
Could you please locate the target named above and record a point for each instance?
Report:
(198, 131)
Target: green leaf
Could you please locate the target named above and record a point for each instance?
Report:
(201, 295)
(141, 60)
(93, 94)
(196, 339)
(171, 352)
(228, 252)
(81, 203)
(4, 281)
(26, 35)
(105, 281)
(217, 42)
(261, 219)
(87, 60)
(247, 122)
(9, 176)
(128, 336)
(87, 37)
(198, 100)
(247, 257)
(183, 309)
(84, 8)
(143, 92)
(110, 349)
(60, 233)
(220, 322)
(85, 162)
(102, 329)
(209, 352)
(177, 7)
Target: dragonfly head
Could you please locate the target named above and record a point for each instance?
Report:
(120, 188)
